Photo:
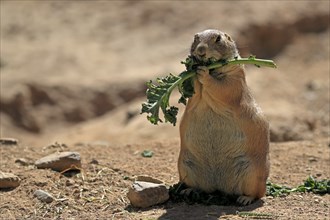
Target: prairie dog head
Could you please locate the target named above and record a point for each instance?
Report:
(213, 45)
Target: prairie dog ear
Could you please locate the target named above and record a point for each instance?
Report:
(228, 37)
(196, 37)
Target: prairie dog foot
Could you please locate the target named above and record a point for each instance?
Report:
(245, 200)
(186, 192)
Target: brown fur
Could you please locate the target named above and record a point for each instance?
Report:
(224, 135)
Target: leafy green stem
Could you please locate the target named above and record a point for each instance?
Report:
(250, 60)
(158, 95)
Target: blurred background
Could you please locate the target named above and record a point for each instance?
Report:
(75, 71)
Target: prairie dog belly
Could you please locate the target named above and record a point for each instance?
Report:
(214, 155)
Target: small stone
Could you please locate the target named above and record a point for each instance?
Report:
(62, 161)
(94, 161)
(23, 161)
(41, 183)
(312, 159)
(145, 178)
(8, 141)
(43, 196)
(146, 194)
(9, 180)
(147, 153)
(69, 182)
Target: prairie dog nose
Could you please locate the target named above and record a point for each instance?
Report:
(201, 49)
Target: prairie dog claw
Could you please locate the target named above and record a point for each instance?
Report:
(245, 200)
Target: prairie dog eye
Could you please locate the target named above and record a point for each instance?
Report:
(218, 39)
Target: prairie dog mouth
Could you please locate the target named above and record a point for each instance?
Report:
(206, 61)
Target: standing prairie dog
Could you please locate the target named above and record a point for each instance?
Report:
(224, 135)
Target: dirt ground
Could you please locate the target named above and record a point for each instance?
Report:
(74, 72)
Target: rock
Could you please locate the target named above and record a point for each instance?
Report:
(94, 161)
(69, 182)
(60, 161)
(43, 196)
(9, 180)
(145, 194)
(147, 153)
(148, 179)
(8, 141)
(23, 161)
(40, 183)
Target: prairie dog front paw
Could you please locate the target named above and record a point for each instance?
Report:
(202, 73)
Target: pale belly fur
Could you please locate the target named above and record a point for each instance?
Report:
(215, 157)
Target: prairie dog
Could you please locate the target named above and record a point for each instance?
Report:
(224, 135)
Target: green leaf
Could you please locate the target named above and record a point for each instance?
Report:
(256, 215)
(276, 190)
(182, 193)
(147, 153)
(310, 185)
(158, 94)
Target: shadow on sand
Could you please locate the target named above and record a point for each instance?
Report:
(184, 211)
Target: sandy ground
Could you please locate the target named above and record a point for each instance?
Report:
(75, 72)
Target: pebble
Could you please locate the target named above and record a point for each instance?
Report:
(94, 161)
(60, 161)
(40, 183)
(9, 180)
(43, 196)
(312, 159)
(8, 141)
(145, 178)
(69, 182)
(23, 161)
(145, 194)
